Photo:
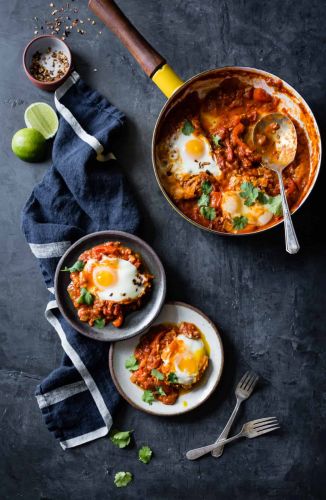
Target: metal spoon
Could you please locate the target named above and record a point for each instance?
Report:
(275, 138)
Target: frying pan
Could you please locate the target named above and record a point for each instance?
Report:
(177, 92)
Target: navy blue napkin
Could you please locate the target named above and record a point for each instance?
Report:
(83, 191)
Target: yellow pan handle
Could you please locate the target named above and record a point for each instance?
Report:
(147, 57)
(167, 80)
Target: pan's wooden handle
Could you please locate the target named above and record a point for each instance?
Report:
(147, 57)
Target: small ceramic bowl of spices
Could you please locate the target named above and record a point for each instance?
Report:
(47, 62)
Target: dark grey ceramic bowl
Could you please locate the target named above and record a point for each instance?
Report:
(135, 322)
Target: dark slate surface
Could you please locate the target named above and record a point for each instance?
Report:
(270, 306)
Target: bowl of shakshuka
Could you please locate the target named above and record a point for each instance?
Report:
(110, 285)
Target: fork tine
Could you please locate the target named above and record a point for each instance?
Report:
(249, 381)
(253, 383)
(263, 428)
(243, 379)
(260, 421)
(269, 430)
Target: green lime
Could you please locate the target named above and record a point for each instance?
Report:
(28, 144)
(43, 118)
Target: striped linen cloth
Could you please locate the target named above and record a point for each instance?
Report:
(82, 192)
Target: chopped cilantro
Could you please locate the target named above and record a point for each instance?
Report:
(157, 374)
(85, 297)
(262, 198)
(203, 200)
(122, 479)
(160, 391)
(275, 205)
(145, 454)
(173, 378)
(208, 212)
(99, 323)
(120, 438)
(148, 397)
(249, 192)
(78, 266)
(206, 187)
(240, 222)
(217, 140)
(132, 364)
(187, 128)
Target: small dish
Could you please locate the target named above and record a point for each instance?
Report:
(135, 322)
(172, 312)
(41, 44)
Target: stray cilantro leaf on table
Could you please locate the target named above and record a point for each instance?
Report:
(132, 364)
(157, 374)
(240, 222)
(122, 479)
(249, 192)
(148, 397)
(208, 212)
(78, 266)
(160, 391)
(275, 205)
(145, 454)
(217, 140)
(121, 439)
(99, 323)
(85, 297)
(187, 128)
(172, 378)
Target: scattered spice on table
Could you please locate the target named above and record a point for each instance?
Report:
(49, 66)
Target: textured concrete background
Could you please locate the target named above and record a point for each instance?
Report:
(270, 306)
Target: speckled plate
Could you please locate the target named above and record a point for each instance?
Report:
(172, 312)
(135, 322)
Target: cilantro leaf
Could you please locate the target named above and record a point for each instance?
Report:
(208, 212)
(122, 479)
(160, 391)
(99, 323)
(173, 378)
(240, 222)
(148, 397)
(157, 374)
(262, 198)
(249, 192)
(275, 205)
(85, 297)
(132, 364)
(187, 128)
(78, 266)
(203, 200)
(145, 454)
(120, 438)
(206, 187)
(217, 140)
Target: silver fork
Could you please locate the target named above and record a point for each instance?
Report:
(242, 392)
(251, 429)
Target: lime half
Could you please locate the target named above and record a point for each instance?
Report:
(43, 118)
(29, 144)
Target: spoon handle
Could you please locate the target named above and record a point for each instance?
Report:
(291, 241)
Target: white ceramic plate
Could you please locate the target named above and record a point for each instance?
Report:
(172, 312)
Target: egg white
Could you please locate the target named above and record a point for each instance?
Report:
(233, 205)
(193, 348)
(181, 162)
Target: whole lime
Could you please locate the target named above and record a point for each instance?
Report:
(28, 144)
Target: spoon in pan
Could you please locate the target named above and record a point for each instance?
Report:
(275, 138)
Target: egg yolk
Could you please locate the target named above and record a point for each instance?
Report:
(104, 277)
(188, 365)
(195, 148)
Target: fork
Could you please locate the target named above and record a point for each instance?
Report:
(250, 430)
(243, 390)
